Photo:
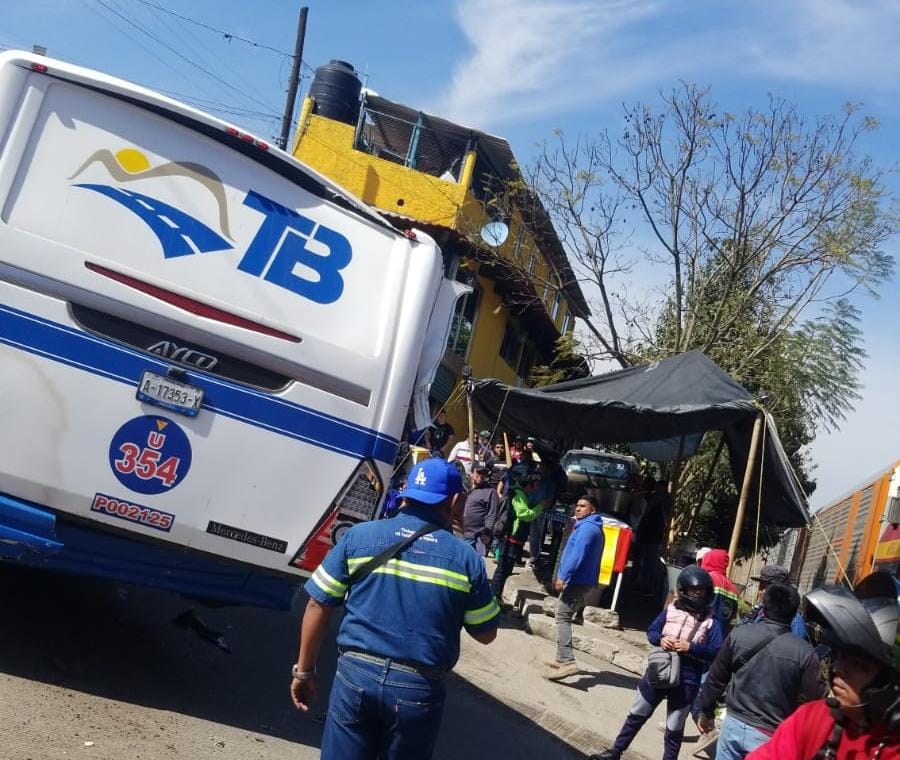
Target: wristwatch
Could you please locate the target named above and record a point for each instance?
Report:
(302, 675)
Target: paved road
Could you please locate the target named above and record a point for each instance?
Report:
(85, 661)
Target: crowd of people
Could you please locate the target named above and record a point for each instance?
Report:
(509, 495)
(419, 578)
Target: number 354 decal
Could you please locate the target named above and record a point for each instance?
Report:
(150, 454)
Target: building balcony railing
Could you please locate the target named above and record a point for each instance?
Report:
(413, 144)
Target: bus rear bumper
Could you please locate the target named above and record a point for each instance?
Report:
(33, 536)
(25, 529)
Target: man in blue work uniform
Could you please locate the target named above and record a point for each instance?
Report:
(400, 632)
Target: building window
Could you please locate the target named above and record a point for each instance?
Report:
(520, 236)
(532, 263)
(554, 310)
(567, 323)
(526, 363)
(463, 323)
(511, 345)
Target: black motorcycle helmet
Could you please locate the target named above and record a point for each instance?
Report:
(695, 589)
(864, 622)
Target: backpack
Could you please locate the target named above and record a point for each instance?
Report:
(505, 518)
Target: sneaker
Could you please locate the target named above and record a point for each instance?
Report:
(553, 663)
(562, 670)
(609, 754)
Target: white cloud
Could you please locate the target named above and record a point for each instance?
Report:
(529, 56)
(836, 42)
(533, 57)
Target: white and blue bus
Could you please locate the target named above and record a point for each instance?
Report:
(207, 350)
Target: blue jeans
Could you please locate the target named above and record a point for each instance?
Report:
(536, 538)
(738, 739)
(378, 711)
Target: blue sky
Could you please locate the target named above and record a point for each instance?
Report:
(520, 68)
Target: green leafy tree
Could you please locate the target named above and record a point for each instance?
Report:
(761, 228)
(568, 363)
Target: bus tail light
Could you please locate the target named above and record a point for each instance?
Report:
(356, 502)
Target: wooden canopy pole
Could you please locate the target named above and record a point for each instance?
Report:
(745, 488)
(467, 374)
(673, 489)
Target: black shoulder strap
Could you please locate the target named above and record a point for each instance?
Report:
(762, 645)
(392, 551)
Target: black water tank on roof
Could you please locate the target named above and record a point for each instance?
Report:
(336, 91)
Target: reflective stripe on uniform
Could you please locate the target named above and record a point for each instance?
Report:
(416, 572)
(482, 614)
(328, 584)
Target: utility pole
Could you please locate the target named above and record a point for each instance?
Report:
(294, 80)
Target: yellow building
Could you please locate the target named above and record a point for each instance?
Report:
(447, 180)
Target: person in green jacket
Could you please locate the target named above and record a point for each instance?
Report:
(524, 513)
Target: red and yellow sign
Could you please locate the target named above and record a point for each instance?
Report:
(888, 548)
(615, 551)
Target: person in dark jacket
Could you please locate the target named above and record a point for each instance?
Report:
(859, 633)
(690, 628)
(650, 534)
(522, 513)
(768, 575)
(480, 511)
(768, 676)
(578, 571)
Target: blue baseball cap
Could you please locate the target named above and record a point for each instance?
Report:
(431, 481)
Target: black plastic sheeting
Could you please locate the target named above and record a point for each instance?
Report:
(683, 395)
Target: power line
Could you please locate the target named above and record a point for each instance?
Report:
(187, 39)
(263, 120)
(131, 37)
(227, 35)
(180, 55)
(206, 102)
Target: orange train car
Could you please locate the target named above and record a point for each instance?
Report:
(862, 530)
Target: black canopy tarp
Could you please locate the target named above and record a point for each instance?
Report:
(685, 394)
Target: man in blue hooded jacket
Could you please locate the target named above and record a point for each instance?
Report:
(578, 571)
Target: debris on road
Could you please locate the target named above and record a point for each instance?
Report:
(192, 622)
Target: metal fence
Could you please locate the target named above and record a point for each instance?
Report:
(415, 144)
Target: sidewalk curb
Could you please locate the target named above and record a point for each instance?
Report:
(604, 643)
(585, 639)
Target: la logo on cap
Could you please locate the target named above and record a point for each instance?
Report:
(421, 480)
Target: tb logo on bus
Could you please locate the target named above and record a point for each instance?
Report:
(284, 241)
